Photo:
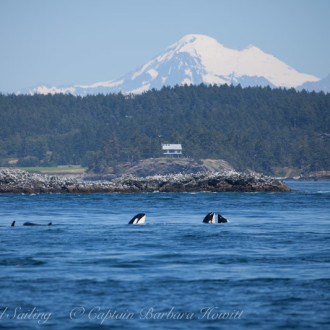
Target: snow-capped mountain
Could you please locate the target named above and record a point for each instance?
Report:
(318, 86)
(197, 59)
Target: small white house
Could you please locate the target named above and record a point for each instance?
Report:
(172, 150)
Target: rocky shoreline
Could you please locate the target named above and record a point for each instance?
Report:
(18, 181)
(161, 166)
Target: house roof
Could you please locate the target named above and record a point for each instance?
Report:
(171, 147)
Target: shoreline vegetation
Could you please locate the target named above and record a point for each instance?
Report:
(21, 182)
(278, 132)
(56, 170)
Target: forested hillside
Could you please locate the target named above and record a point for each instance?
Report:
(258, 128)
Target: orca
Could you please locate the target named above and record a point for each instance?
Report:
(221, 219)
(35, 224)
(12, 224)
(209, 218)
(139, 219)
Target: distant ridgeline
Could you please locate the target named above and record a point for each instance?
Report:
(256, 128)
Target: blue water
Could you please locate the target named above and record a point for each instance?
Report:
(269, 268)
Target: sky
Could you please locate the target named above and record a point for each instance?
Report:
(66, 42)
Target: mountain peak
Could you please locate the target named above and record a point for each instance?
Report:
(196, 43)
(195, 37)
(195, 59)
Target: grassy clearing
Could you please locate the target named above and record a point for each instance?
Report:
(61, 169)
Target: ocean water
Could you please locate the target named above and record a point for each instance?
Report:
(269, 268)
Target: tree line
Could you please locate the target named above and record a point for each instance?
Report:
(256, 127)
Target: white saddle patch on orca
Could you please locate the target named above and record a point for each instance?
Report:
(139, 219)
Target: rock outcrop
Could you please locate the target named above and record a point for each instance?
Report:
(162, 166)
(17, 181)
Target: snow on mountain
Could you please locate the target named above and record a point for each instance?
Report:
(321, 85)
(197, 59)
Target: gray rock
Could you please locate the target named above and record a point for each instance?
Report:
(18, 181)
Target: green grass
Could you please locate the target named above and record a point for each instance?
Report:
(54, 169)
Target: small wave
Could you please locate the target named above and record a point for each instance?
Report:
(21, 262)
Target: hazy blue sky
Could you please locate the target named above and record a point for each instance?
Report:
(63, 42)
